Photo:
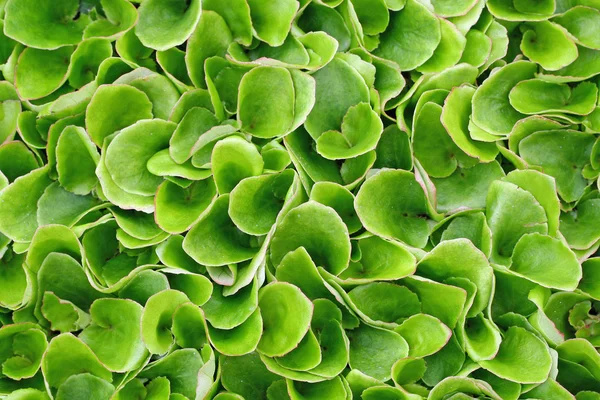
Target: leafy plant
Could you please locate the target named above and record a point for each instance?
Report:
(299, 199)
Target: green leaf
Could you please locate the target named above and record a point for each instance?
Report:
(189, 327)
(257, 201)
(445, 8)
(506, 223)
(194, 123)
(408, 370)
(63, 315)
(76, 161)
(263, 111)
(333, 388)
(442, 301)
(586, 66)
(385, 301)
(374, 350)
(126, 159)
(237, 17)
(115, 331)
(85, 385)
(13, 280)
(165, 25)
(143, 285)
(182, 380)
(392, 204)
(433, 146)
(106, 102)
(462, 387)
(304, 357)
(525, 11)
(562, 154)
(412, 36)
(246, 375)
(283, 305)
(234, 159)
(156, 320)
(455, 118)
(16, 160)
(380, 259)
(31, 82)
(338, 87)
(121, 16)
(76, 289)
(491, 108)
(211, 37)
(327, 243)
(360, 132)
(267, 29)
(459, 258)
(522, 358)
(546, 261)
(582, 23)
(424, 334)
(227, 312)
(477, 49)
(177, 208)
(86, 60)
(22, 349)
(209, 234)
(242, 339)
(588, 283)
(449, 50)
(68, 356)
(43, 25)
(541, 39)
(539, 97)
(318, 17)
(19, 204)
(543, 188)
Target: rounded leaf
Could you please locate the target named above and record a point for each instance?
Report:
(114, 334)
(491, 108)
(234, 159)
(164, 25)
(327, 242)
(42, 25)
(286, 314)
(374, 350)
(272, 30)
(522, 358)
(68, 356)
(157, 319)
(424, 334)
(106, 102)
(361, 130)
(411, 37)
(41, 72)
(542, 38)
(266, 102)
(546, 261)
(128, 154)
(338, 87)
(177, 208)
(392, 204)
(257, 201)
(535, 96)
(215, 240)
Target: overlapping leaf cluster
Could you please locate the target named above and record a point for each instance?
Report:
(283, 199)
